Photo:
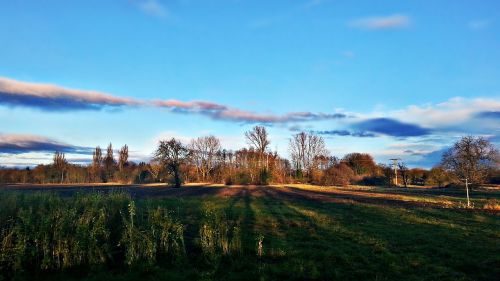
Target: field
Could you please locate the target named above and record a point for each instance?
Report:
(292, 232)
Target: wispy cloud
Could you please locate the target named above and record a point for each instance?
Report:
(153, 8)
(392, 127)
(479, 24)
(223, 112)
(489, 114)
(17, 144)
(454, 117)
(55, 98)
(451, 113)
(382, 22)
(346, 133)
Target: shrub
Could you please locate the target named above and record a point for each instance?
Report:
(339, 174)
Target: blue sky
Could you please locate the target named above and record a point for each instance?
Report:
(392, 78)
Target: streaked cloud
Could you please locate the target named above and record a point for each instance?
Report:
(18, 144)
(489, 114)
(381, 22)
(55, 98)
(427, 159)
(457, 115)
(391, 127)
(223, 112)
(346, 133)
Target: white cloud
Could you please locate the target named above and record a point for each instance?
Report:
(449, 113)
(53, 97)
(383, 22)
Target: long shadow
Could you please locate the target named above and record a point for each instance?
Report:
(135, 190)
(452, 192)
(373, 240)
(353, 197)
(306, 241)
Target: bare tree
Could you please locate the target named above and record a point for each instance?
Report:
(96, 164)
(172, 154)
(470, 159)
(60, 163)
(109, 163)
(258, 140)
(123, 158)
(154, 169)
(204, 154)
(305, 149)
(439, 176)
(403, 169)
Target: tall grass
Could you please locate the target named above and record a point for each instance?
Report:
(219, 236)
(44, 232)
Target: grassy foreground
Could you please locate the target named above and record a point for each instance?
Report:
(249, 233)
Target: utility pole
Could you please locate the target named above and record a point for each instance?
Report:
(395, 165)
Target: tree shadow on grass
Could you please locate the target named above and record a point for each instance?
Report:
(398, 241)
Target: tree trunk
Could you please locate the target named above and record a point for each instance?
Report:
(177, 179)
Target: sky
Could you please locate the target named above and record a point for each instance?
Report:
(396, 79)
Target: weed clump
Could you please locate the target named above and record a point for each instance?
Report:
(44, 232)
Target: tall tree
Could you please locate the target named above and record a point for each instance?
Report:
(109, 163)
(361, 163)
(123, 158)
(204, 154)
(60, 164)
(470, 159)
(258, 140)
(96, 164)
(305, 149)
(172, 154)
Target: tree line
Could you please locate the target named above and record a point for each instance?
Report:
(204, 160)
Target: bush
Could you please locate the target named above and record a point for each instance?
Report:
(374, 181)
(339, 174)
(242, 178)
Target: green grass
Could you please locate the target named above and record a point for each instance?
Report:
(301, 239)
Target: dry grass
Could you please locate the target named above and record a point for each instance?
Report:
(492, 204)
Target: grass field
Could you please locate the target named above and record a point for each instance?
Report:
(293, 232)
